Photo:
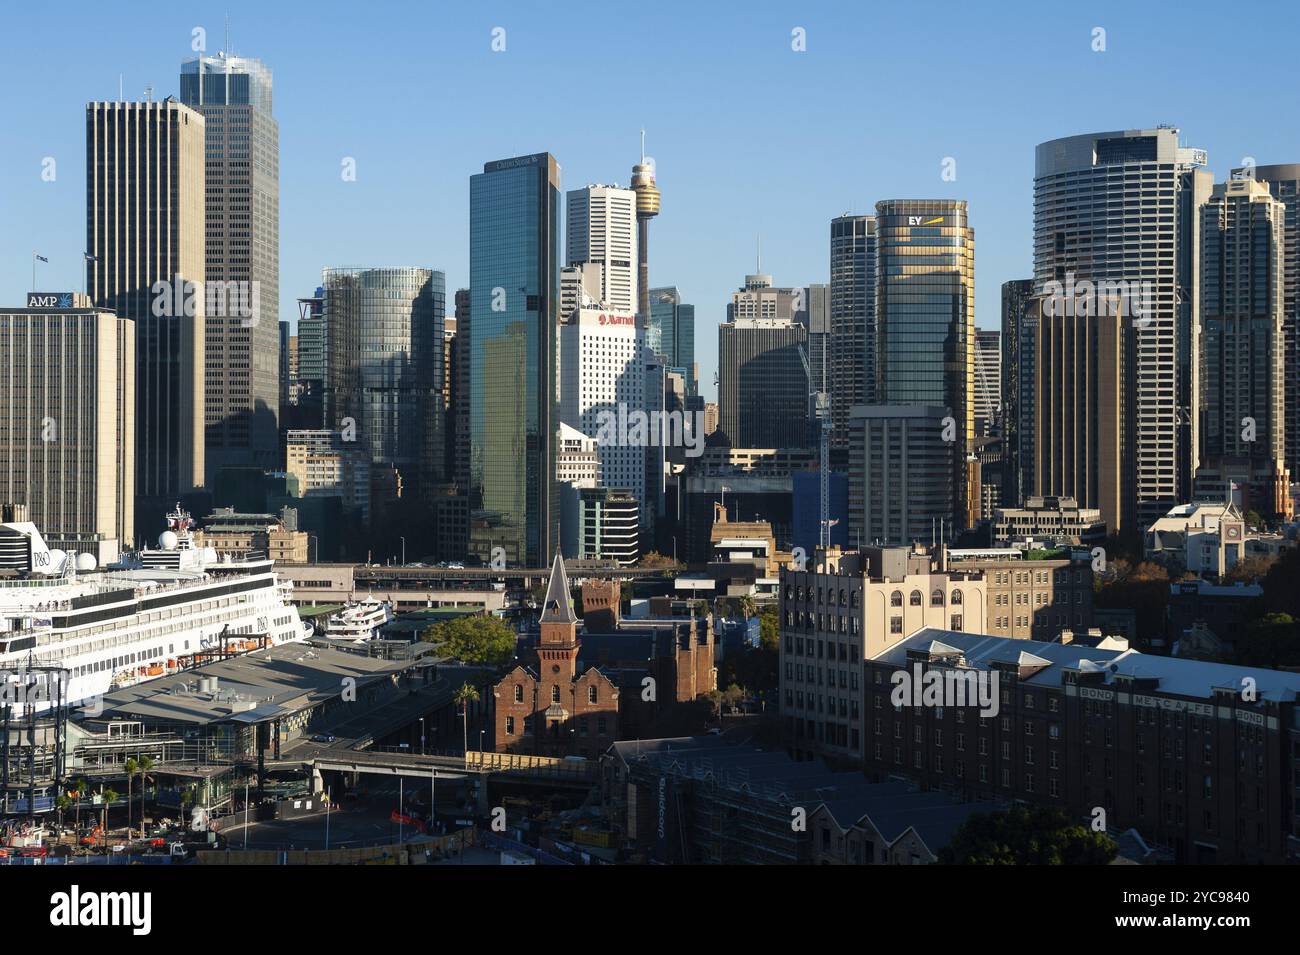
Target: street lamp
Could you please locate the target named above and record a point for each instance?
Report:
(313, 537)
(421, 735)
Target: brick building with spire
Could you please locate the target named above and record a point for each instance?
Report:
(555, 710)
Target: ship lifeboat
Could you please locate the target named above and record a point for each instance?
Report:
(155, 669)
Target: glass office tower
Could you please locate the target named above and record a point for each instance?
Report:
(671, 334)
(514, 266)
(852, 291)
(925, 322)
(385, 368)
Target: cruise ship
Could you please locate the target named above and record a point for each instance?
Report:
(70, 628)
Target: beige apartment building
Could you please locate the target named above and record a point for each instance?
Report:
(67, 422)
(848, 606)
(1029, 599)
(326, 465)
(250, 535)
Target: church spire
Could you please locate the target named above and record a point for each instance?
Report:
(557, 607)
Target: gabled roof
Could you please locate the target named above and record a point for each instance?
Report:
(557, 607)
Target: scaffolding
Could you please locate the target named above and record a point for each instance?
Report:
(33, 739)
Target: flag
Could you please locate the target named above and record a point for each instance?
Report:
(41, 258)
(89, 257)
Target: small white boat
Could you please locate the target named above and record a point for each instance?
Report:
(359, 622)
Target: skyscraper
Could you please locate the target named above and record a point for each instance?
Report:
(925, 324)
(1082, 385)
(602, 373)
(145, 232)
(1242, 346)
(385, 367)
(988, 380)
(460, 468)
(762, 386)
(312, 362)
(602, 231)
(1284, 183)
(670, 334)
(1018, 354)
(852, 320)
(67, 435)
(514, 269)
(1121, 208)
(242, 399)
(901, 478)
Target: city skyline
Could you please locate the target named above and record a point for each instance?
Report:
(704, 236)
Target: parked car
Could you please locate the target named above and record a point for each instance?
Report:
(323, 738)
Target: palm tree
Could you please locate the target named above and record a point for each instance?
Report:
(132, 767)
(145, 765)
(80, 790)
(110, 796)
(465, 696)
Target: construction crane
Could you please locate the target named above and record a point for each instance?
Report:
(820, 407)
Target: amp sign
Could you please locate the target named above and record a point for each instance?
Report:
(49, 300)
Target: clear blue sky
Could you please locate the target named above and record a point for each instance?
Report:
(749, 136)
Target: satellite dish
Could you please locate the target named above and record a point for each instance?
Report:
(86, 562)
(167, 540)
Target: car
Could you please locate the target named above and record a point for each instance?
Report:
(324, 738)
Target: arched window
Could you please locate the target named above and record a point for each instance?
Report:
(936, 598)
(855, 599)
(555, 693)
(956, 596)
(896, 599)
(915, 598)
(844, 597)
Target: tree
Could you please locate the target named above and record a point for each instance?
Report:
(1024, 836)
(110, 796)
(132, 767)
(769, 630)
(732, 696)
(1251, 569)
(1142, 587)
(465, 696)
(1272, 641)
(61, 803)
(657, 561)
(483, 640)
(144, 766)
(80, 792)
